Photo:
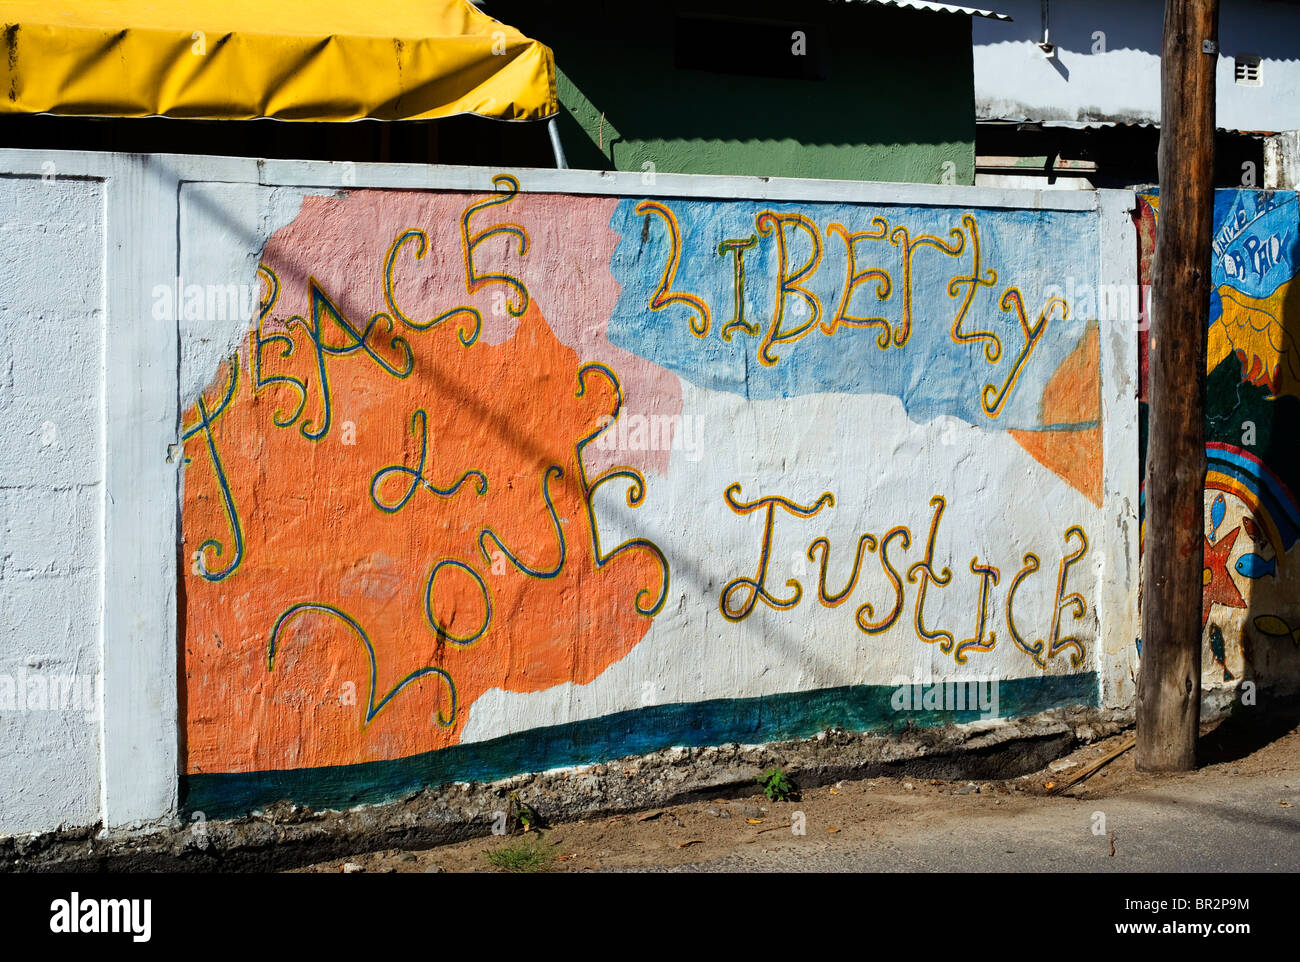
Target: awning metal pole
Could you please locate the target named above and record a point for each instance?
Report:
(554, 130)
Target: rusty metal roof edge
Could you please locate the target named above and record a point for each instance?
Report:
(931, 7)
(1103, 124)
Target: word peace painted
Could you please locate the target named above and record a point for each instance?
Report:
(386, 342)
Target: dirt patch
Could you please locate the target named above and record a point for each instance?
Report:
(845, 812)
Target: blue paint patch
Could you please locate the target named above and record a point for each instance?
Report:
(864, 708)
(1256, 245)
(1038, 252)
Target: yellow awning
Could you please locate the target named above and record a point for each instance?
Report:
(324, 60)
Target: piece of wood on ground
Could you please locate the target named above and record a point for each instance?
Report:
(1094, 766)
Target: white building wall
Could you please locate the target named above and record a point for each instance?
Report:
(1106, 65)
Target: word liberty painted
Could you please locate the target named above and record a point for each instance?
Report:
(799, 310)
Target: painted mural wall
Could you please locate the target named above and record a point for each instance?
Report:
(502, 481)
(1251, 599)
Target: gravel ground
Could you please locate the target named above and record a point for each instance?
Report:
(1239, 812)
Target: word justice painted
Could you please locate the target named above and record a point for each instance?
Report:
(740, 596)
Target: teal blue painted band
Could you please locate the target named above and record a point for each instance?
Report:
(769, 718)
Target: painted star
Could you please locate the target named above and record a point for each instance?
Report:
(1219, 586)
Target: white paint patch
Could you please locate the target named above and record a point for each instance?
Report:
(882, 470)
(223, 230)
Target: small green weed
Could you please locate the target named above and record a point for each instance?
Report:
(777, 785)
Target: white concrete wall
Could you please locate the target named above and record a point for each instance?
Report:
(1282, 161)
(52, 284)
(1015, 80)
(88, 570)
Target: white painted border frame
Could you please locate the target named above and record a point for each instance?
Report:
(139, 698)
(1118, 591)
(347, 176)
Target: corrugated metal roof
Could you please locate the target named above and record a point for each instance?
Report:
(938, 8)
(1104, 124)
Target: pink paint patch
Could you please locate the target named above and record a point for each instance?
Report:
(344, 242)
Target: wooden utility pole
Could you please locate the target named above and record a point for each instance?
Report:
(1169, 679)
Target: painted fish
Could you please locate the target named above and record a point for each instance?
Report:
(1216, 643)
(1218, 650)
(1253, 531)
(1275, 626)
(1256, 566)
(1217, 511)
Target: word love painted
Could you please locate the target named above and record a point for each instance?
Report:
(741, 595)
(885, 261)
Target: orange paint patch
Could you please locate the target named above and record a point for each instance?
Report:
(328, 524)
(1073, 455)
(1073, 394)
(1072, 397)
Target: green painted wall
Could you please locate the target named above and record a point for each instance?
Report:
(897, 103)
